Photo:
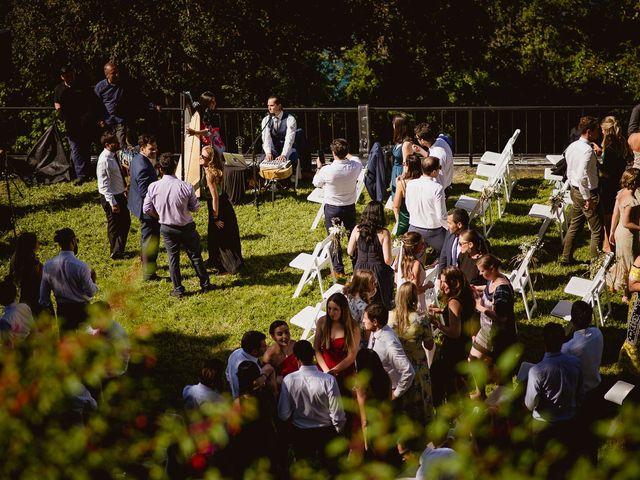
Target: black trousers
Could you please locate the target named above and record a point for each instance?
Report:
(187, 236)
(310, 444)
(346, 214)
(117, 224)
(71, 315)
(150, 243)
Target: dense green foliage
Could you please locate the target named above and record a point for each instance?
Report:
(479, 52)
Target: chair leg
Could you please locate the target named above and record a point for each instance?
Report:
(523, 293)
(319, 215)
(303, 280)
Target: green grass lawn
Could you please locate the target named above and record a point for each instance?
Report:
(187, 330)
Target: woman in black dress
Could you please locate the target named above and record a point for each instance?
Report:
(225, 251)
(471, 249)
(370, 241)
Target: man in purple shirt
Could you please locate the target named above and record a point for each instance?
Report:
(171, 200)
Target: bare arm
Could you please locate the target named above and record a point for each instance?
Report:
(614, 222)
(397, 200)
(626, 219)
(386, 247)
(454, 328)
(406, 151)
(317, 343)
(417, 280)
(353, 241)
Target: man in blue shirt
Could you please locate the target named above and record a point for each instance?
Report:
(121, 102)
(554, 389)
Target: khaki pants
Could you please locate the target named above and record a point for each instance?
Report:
(579, 215)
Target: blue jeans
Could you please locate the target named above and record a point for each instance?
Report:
(80, 155)
(174, 236)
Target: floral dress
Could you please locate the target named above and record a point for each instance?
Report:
(417, 402)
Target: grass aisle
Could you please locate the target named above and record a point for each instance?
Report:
(187, 330)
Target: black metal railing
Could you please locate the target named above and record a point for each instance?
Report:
(544, 129)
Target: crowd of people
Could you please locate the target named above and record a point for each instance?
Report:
(386, 343)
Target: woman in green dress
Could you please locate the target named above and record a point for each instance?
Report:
(414, 332)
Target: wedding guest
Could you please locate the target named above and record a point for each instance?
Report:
(16, 321)
(208, 388)
(72, 281)
(409, 267)
(457, 327)
(209, 132)
(629, 357)
(172, 201)
(310, 400)
(471, 249)
(401, 148)
(223, 234)
(414, 332)
(370, 242)
(384, 341)
(412, 170)
(280, 353)
(337, 340)
(26, 269)
(625, 230)
(360, 291)
(497, 319)
(252, 348)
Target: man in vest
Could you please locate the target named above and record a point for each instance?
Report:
(279, 134)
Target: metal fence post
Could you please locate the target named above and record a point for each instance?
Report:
(364, 131)
(470, 135)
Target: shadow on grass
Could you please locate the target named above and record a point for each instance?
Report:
(179, 358)
(69, 201)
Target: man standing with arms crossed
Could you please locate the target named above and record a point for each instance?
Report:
(582, 173)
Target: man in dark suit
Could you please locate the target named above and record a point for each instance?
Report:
(457, 221)
(143, 174)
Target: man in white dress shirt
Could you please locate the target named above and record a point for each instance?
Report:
(72, 281)
(438, 147)
(338, 182)
(311, 400)
(384, 341)
(582, 173)
(252, 347)
(113, 195)
(279, 133)
(426, 205)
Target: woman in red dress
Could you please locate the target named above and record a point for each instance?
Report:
(337, 340)
(280, 353)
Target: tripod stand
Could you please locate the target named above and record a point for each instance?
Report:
(254, 163)
(4, 170)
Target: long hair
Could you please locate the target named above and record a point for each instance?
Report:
(400, 129)
(24, 258)
(372, 220)
(458, 284)
(411, 242)
(613, 138)
(406, 304)
(347, 321)
(367, 360)
(414, 167)
(361, 285)
(216, 165)
(208, 116)
(248, 373)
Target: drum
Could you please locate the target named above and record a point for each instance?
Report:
(271, 173)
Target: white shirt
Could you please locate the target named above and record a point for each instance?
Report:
(289, 139)
(587, 345)
(442, 151)
(235, 359)
(16, 321)
(425, 203)
(311, 399)
(431, 462)
(69, 278)
(582, 169)
(338, 181)
(196, 395)
(110, 179)
(386, 344)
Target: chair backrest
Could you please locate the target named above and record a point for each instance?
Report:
(322, 252)
(599, 280)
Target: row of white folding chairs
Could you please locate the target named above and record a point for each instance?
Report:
(589, 290)
(493, 172)
(317, 196)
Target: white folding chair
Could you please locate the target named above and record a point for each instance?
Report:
(521, 281)
(548, 216)
(306, 319)
(589, 290)
(312, 265)
(477, 207)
